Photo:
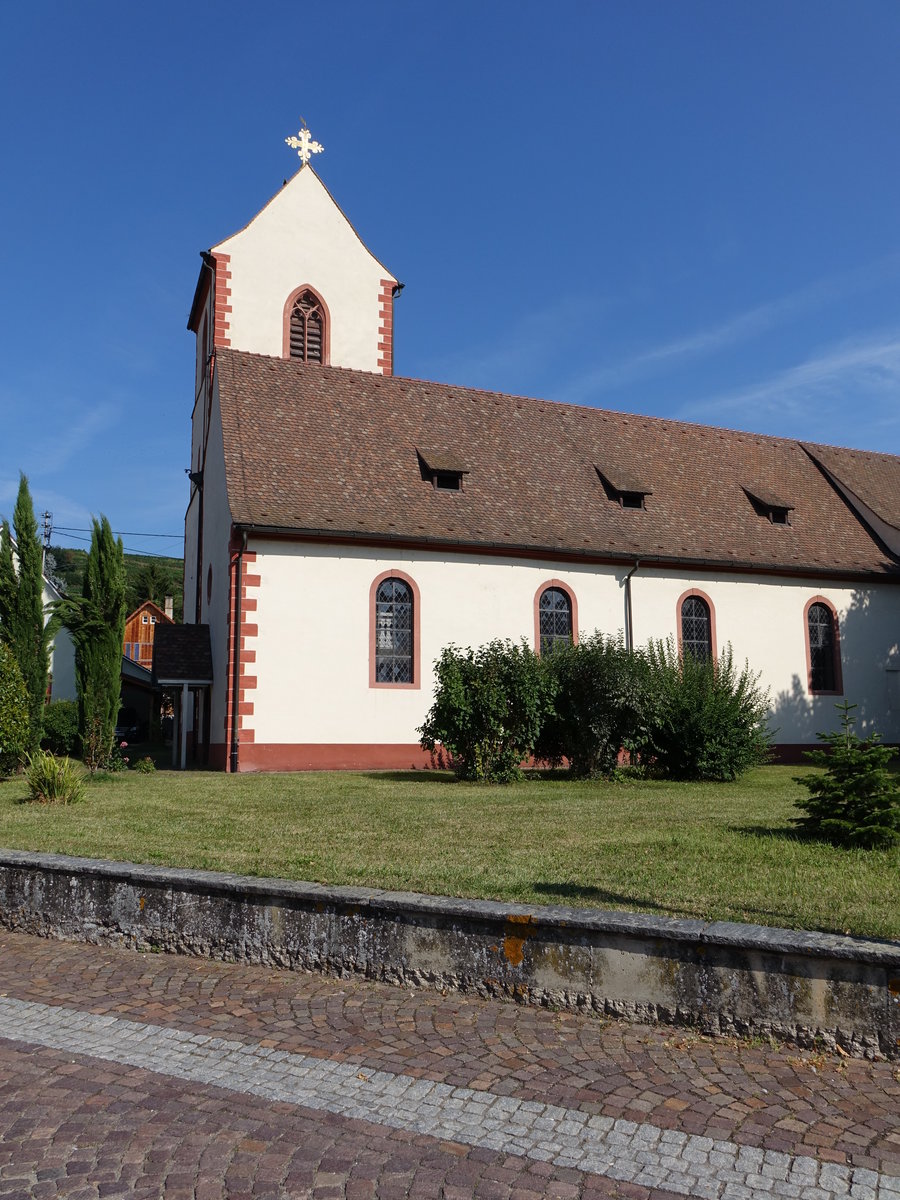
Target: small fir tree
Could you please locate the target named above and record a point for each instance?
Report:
(25, 629)
(857, 800)
(96, 620)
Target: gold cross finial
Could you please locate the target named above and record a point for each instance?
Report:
(304, 144)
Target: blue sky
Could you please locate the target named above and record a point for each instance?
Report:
(685, 210)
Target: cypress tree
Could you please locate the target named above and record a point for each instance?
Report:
(7, 583)
(25, 629)
(96, 621)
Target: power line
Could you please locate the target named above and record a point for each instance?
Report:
(128, 549)
(119, 532)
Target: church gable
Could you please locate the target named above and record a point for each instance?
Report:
(297, 254)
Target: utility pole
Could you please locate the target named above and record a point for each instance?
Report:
(47, 531)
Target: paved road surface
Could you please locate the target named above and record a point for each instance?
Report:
(126, 1074)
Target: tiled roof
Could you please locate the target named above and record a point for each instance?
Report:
(315, 450)
(182, 653)
(874, 478)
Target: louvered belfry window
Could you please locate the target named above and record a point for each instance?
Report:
(307, 329)
(696, 636)
(820, 623)
(555, 609)
(393, 632)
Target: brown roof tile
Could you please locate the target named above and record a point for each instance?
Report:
(313, 449)
(182, 653)
(874, 478)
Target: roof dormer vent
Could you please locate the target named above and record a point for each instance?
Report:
(622, 487)
(767, 503)
(443, 469)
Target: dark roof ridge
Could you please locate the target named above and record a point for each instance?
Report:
(677, 422)
(813, 446)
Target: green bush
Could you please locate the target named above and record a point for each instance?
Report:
(53, 780)
(60, 727)
(708, 719)
(15, 727)
(488, 708)
(603, 704)
(146, 765)
(857, 801)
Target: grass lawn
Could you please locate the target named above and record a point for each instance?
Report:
(720, 851)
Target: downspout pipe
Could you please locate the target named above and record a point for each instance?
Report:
(236, 662)
(629, 631)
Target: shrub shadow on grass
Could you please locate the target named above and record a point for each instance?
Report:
(417, 777)
(594, 897)
(782, 833)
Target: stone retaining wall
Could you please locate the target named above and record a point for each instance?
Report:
(719, 977)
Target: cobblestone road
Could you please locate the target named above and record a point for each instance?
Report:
(149, 1075)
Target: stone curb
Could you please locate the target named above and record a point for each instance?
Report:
(772, 939)
(720, 977)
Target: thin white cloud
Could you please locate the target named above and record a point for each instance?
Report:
(527, 346)
(847, 393)
(71, 439)
(740, 328)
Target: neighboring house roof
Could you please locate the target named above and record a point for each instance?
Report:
(149, 606)
(135, 673)
(324, 451)
(182, 654)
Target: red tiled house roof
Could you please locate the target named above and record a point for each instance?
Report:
(328, 452)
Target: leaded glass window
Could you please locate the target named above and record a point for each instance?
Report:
(393, 632)
(820, 623)
(696, 635)
(307, 328)
(555, 608)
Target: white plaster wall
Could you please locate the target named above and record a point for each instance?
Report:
(191, 533)
(762, 618)
(313, 644)
(216, 535)
(62, 667)
(198, 415)
(302, 237)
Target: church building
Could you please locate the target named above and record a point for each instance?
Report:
(345, 524)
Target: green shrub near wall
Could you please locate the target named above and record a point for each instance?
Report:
(15, 726)
(605, 701)
(709, 717)
(60, 727)
(488, 709)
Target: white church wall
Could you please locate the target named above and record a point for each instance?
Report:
(215, 581)
(302, 237)
(312, 651)
(763, 619)
(202, 350)
(313, 644)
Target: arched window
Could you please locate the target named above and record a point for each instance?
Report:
(696, 628)
(822, 648)
(555, 617)
(307, 329)
(394, 631)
